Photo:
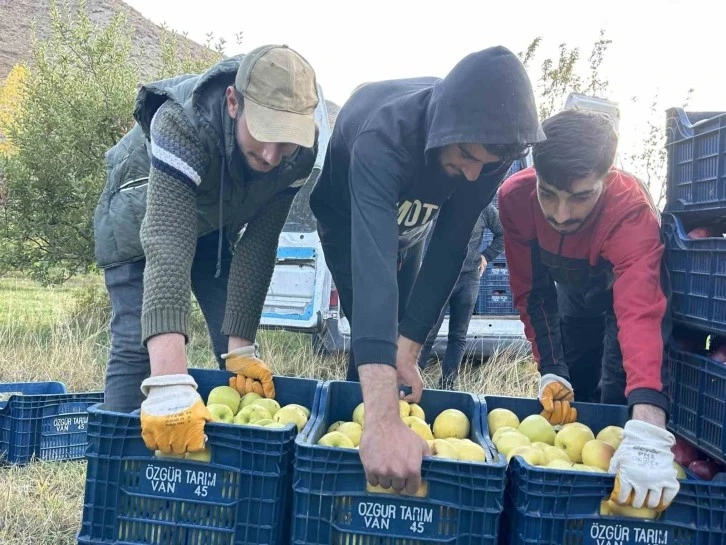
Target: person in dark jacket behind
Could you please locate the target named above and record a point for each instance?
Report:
(585, 257)
(404, 152)
(463, 298)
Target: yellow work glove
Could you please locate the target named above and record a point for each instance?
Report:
(173, 414)
(643, 467)
(555, 395)
(253, 375)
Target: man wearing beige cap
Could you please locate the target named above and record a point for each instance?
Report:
(209, 155)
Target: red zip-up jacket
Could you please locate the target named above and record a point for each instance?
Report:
(618, 248)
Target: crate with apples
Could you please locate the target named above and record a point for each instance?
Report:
(559, 484)
(461, 497)
(237, 490)
(43, 421)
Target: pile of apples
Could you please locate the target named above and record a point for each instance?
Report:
(226, 405)
(447, 436)
(698, 463)
(572, 447)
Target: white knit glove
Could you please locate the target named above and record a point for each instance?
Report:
(643, 464)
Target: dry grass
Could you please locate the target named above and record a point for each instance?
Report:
(61, 334)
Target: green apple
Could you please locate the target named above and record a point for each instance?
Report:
(538, 429)
(500, 431)
(224, 395)
(251, 414)
(597, 453)
(353, 430)
(559, 464)
(359, 414)
(680, 472)
(247, 399)
(162, 454)
(262, 422)
(335, 425)
(612, 435)
(499, 418)
(419, 427)
(201, 456)
(533, 456)
(221, 413)
(270, 404)
(336, 439)
(291, 414)
(572, 440)
(510, 440)
(417, 411)
(554, 453)
(274, 424)
(302, 407)
(451, 423)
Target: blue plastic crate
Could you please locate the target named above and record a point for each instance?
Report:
(697, 269)
(552, 507)
(44, 423)
(242, 496)
(464, 499)
(495, 295)
(698, 406)
(696, 174)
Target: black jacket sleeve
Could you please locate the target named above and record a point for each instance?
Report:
(446, 253)
(376, 173)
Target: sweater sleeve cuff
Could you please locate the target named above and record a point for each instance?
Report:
(374, 351)
(488, 255)
(164, 320)
(413, 330)
(647, 396)
(241, 325)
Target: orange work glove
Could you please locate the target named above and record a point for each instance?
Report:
(555, 395)
(173, 414)
(253, 375)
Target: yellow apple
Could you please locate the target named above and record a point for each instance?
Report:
(572, 440)
(291, 414)
(262, 422)
(540, 445)
(441, 448)
(451, 423)
(559, 464)
(553, 453)
(510, 440)
(247, 399)
(680, 472)
(273, 424)
(270, 404)
(538, 429)
(499, 418)
(359, 414)
(226, 396)
(612, 435)
(417, 411)
(335, 425)
(586, 468)
(353, 430)
(466, 449)
(201, 456)
(336, 439)
(251, 414)
(172, 455)
(404, 409)
(419, 427)
(303, 408)
(533, 456)
(500, 431)
(597, 453)
(630, 511)
(221, 413)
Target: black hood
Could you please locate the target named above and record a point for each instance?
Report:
(487, 98)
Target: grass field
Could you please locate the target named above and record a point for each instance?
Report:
(62, 334)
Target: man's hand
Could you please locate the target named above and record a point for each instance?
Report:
(482, 265)
(408, 371)
(555, 395)
(390, 464)
(253, 375)
(173, 414)
(643, 464)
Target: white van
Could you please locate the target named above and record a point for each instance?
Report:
(302, 296)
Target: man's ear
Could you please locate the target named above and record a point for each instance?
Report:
(232, 104)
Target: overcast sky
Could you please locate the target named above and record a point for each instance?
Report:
(665, 46)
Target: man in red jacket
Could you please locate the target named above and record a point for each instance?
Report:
(584, 251)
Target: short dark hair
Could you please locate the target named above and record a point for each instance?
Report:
(508, 152)
(579, 144)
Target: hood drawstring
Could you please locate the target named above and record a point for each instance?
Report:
(221, 225)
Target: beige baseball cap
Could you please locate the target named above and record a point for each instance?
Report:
(280, 94)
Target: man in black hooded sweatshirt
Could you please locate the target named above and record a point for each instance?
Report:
(402, 153)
